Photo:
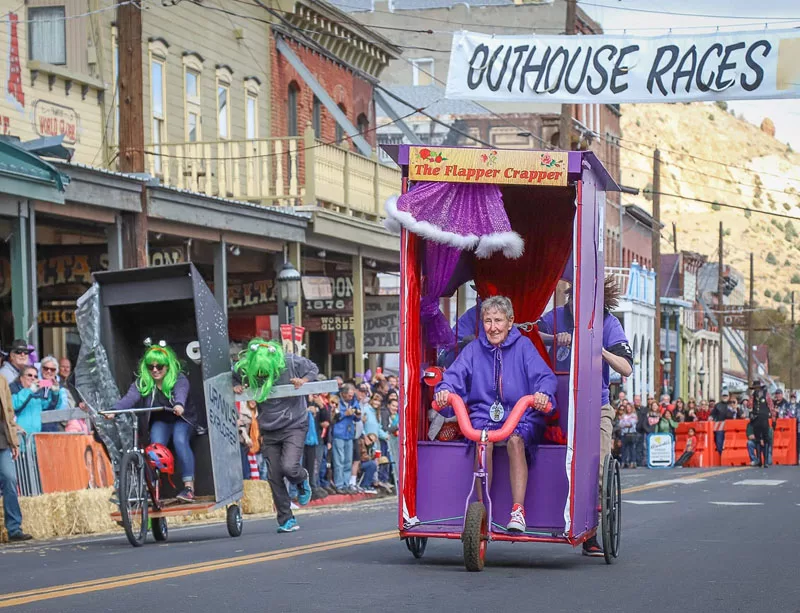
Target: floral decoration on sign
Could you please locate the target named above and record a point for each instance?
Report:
(431, 156)
(549, 162)
(490, 159)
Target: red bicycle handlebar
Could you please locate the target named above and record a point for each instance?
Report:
(493, 436)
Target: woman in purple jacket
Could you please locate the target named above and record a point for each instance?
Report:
(160, 383)
(491, 374)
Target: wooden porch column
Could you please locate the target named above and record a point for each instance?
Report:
(358, 314)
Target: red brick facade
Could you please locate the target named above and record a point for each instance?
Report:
(348, 90)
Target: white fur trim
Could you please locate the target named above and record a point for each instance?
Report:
(428, 230)
(510, 243)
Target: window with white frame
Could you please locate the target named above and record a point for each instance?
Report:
(224, 79)
(158, 98)
(252, 89)
(192, 73)
(47, 34)
(422, 71)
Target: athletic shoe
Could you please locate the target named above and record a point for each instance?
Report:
(319, 492)
(304, 492)
(517, 523)
(186, 495)
(290, 525)
(293, 506)
(592, 548)
(369, 490)
(341, 491)
(353, 490)
(19, 537)
(331, 489)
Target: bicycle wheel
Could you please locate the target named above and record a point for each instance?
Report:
(133, 498)
(159, 528)
(475, 537)
(611, 509)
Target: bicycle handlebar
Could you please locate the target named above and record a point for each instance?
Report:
(493, 436)
(136, 410)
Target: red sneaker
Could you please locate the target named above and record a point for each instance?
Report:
(517, 523)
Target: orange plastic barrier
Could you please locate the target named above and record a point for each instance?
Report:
(784, 443)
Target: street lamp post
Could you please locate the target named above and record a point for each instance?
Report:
(701, 377)
(289, 285)
(667, 371)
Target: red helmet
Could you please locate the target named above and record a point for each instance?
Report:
(160, 458)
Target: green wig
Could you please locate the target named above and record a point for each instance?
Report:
(158, 354)
(260, 364)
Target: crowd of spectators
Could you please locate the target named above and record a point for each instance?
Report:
(352, 442)
(635, 419)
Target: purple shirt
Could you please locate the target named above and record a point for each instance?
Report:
(473, 376)
(614, 340)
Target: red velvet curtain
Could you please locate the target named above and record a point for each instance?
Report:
(543, 216)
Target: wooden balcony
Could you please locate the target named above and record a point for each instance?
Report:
(280, 171)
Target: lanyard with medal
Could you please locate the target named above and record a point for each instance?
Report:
(496, 411)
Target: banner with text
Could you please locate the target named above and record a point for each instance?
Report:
(618, 69)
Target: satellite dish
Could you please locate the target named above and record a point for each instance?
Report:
(193, 351)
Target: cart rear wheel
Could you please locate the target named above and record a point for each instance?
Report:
(611, 508)
(416, 545)
(235, 522)
(133, 498)
(475, 537)
(159, 528)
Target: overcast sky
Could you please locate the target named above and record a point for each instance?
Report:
(730, 15)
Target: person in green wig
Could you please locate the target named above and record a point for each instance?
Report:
(283, 422)
(160, 383)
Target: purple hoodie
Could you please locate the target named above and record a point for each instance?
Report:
(474, 374)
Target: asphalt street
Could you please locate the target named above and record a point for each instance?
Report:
(718, 540)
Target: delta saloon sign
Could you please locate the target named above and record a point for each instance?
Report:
(499, 166)
(616, 69)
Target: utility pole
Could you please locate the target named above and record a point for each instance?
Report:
(720, 313)
(565, 125)
(131, 127)
(752, 304)
(656, 240)
(674, 238)
(791, 355)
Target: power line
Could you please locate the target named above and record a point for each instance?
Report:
(68, 17)
(729, 206)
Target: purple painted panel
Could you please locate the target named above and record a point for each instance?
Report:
(562, 400)
(575, 162)
(589, 333)
(445, 476)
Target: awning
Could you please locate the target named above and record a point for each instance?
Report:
(26, 175)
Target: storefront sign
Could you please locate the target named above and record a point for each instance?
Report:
(734, 317)
(381, 327)
(660, 452)
(55, 317)
(328, 323)
(487, 166)
(614, 69)
(251, 294)
(340, 302)
(54, 120)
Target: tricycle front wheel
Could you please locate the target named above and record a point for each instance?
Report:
(416, 545)
(133, 498)
(475, 537)
(611, 509)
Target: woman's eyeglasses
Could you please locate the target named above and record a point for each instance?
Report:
(156, 367)
(30, 375)
(48, 369)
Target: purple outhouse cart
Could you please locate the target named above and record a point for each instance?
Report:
(526, 225)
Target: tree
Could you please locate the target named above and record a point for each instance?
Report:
(796, 279)
(768, 293)
(789, 230)
(777, 297)
(771, 258)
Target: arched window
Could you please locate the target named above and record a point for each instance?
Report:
(340, 129)
(362, 123)
(317, 118)
(293, 126)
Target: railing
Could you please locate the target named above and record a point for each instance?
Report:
(287, 171)
(636, 283)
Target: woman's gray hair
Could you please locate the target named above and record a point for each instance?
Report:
(501, 303)
(49, 358)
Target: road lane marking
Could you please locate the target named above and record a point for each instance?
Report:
(684, 481)
(85, 587)
(649, 501)
(737, 504)
(656, 484)
(761, 482)
(159, 574)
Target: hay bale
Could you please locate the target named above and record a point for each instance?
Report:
(257, 498)
(66, 514)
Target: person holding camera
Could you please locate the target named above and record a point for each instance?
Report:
(760, 419)
(54, 393)
(29, 400)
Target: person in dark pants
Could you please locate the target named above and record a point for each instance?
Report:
(760, 418)
(720, 413)
(283, 422)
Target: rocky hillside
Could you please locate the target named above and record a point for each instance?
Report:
(755, 171)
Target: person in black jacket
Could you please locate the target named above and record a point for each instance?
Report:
(720, 412)
(760, 418)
